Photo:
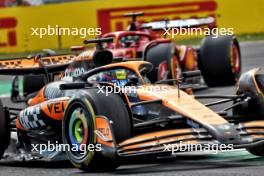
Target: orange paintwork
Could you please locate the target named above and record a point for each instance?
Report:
(158, 141)
(86, 55)
(55, 108)
(19, 126)
(158, 148)
(154, 135)
(31, 63)
(132, 65)
(103, 126)
(256, 130)
(257, 123)
(155, 138)
(257, 136)
(186, 105)
(37, 99)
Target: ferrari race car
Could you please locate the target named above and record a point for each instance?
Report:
(113, 112)
(217, 57)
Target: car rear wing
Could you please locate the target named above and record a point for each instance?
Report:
(180, 23)
(34, 65)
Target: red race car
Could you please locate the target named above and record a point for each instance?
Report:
(217, 57)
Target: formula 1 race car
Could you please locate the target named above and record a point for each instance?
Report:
(217, 57)
(113, 112)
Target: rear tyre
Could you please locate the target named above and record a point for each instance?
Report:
(162, 55)
(33, 83)
(92, 104)
(220, 60)
(4, 130)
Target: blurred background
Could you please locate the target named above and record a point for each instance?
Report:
(17, 17)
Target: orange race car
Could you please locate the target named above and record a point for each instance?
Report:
(113, 112)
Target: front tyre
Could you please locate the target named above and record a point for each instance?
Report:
(79, 126)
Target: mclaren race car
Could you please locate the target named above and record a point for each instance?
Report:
(113, 112)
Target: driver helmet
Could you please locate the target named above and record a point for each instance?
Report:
(120, 74)
(118, 77)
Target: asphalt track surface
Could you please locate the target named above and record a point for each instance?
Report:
(236, 163)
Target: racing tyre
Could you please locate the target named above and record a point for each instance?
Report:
(33, 83)
(4, 130)
(164, 60)
(220, 60)
(80, 114)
